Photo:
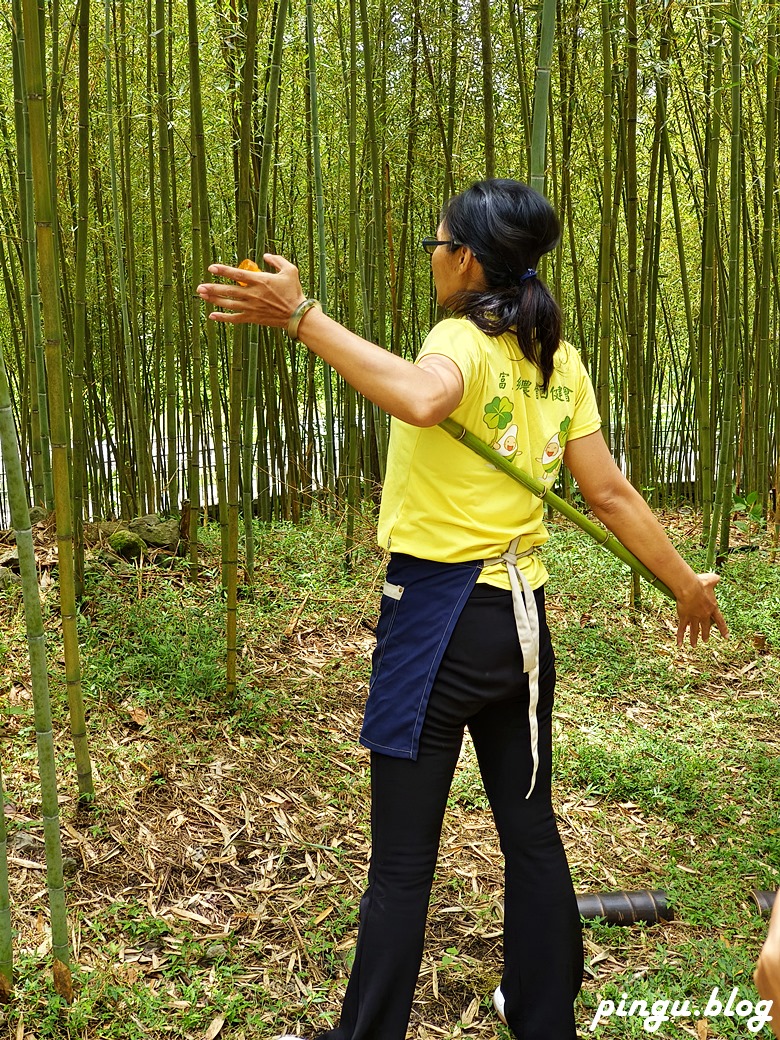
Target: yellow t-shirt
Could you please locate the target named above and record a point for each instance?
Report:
(443, 502)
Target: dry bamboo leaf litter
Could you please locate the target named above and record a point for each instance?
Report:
(243, 844)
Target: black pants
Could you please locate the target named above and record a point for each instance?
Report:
(480, 684)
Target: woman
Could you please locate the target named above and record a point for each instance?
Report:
(462, 636)
(767, 973)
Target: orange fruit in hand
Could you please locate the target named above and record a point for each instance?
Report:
(248, 265)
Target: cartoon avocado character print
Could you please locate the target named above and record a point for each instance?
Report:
(506, 444)
(497, 417)
(553, 450)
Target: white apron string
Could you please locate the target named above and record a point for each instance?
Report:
(527, 622)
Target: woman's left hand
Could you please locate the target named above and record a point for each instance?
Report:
(264, 298)
(698, 610)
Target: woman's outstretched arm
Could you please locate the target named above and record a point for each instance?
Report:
(621, 508)
(421, 394)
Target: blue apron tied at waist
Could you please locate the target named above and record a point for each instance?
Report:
(527, 623)
(421, 603)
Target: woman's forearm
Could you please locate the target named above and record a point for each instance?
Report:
(421, 395)
(632, 521)
(622, 509)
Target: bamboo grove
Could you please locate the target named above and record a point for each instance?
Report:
(143, 140)
(177, 134)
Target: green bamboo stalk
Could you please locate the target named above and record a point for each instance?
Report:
(193, 476)
(704, 398)
(350, 397)
(6, 928)
(518, 46)
(445, 131)
(542, 95)
(34, 330)
(488, 93)
(80, 329)
(403, 245)
(171, 382)
(54, 364)
(599, 534)
(378, 328)
(136, 493)
(651, 359)
(634, 361)
(322, 267)
(237, 358)
(603, 347)
(206, 257)
(722, 506)
(763, 349)
(243, 339)
(20, 519)
(568, 50)
(449, 182)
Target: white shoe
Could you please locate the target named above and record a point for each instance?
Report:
(288, 1036)
(498, 1004)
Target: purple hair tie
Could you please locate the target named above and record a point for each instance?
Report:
(530, 273)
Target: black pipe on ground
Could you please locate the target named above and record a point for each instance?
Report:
(625, 907)
(764, 901)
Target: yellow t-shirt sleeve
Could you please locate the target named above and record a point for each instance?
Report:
(586, 418)
(454, 339)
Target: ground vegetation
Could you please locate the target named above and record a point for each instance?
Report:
(213, 887)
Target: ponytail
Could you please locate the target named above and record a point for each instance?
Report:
(509, 227)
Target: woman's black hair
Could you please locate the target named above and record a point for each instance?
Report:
(509, 227)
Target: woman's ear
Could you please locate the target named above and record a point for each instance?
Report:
(470, 267)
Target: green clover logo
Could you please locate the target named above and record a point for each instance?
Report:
(498, 414)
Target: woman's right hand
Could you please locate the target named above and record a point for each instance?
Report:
(261, 298)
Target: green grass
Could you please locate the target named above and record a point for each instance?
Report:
(221, 866)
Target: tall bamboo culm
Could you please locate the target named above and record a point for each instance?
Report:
(20, 517)
(45, 237)
(6, 927)
(418, 135)
(721, 516)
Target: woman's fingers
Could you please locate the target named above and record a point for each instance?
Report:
(700, 612)
(260, 297)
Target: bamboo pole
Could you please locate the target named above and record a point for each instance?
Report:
(634, 366)
(488, 94)
(6, 929)
(378, 328)
(602, 347)
(230, 562)
(603, 537)
(34, 334)
(245, 340)
(763, 348)
(706, 307)
(136, 493)
(322, 269)
(80, 303)
(171, 385)
(542, 95)
(54, 364)
(206, 257)
(193, 473)
(722, 506)
(20, 519)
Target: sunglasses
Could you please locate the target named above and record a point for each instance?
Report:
(430, 244)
